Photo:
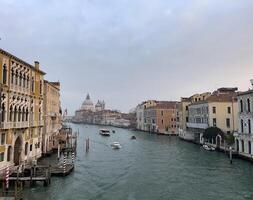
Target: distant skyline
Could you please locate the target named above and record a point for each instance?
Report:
(128, 51)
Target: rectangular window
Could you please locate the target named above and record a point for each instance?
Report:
(228, 122)
(187, 119)
(2, 157)
(31, 147)
(229, 110)
(162, 112)
(214, 110)
(214, 122)
(3, 139)
(186, 108)
(162, 121)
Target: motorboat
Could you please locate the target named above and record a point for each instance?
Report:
(133, 138)
(116, 145)
(113, 131)
(208, 148)
(104, 132)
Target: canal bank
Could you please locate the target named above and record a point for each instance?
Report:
(151, 167)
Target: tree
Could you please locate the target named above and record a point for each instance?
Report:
(230, 139)
(212, 132)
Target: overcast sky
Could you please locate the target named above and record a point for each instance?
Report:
(127, 51)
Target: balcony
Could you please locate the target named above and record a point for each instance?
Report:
(8, 125)
(197, 125)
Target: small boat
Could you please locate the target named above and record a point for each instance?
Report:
(104, 132)
(208, 148)
(133, 138)
(116, 145)
(113, 131)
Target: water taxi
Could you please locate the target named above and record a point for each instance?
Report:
(104, 132)
(116, 145)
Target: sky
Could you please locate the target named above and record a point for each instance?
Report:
(128, 51)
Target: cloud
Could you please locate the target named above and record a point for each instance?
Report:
(128, 51)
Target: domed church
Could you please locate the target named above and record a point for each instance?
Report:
(87, 104)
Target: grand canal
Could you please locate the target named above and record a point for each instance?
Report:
(150, 168)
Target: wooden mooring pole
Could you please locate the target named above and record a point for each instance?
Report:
(230, 155)
(87, 145)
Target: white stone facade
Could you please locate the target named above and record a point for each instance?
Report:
(244, 137)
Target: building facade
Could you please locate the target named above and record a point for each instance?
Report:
(21, 110)
(52, 117)
(140, 121)
(218, 110)
(156, 116)
(244, 137)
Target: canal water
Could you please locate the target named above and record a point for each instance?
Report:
(149, 168)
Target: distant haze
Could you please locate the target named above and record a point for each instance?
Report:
(127, 51)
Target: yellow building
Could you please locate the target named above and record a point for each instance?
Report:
(183, 110)
(52, 117)
(21, 110)
(218, 110)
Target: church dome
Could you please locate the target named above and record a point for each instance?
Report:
(87, 104)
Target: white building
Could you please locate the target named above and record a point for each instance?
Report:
(244, 137)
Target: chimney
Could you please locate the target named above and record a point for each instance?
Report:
(37, 64)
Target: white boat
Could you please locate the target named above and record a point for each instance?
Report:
(116, 145)
(208, 148)
(104, 132)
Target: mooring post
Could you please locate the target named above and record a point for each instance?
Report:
(73, 156)
(230, 155)
(58, 155)
(7, 175)
(64, 164)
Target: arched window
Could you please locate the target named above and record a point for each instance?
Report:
(249, 125)
(20, 79)
(12, 76)
(26, 148)
(15, 114)
(31, 114)
(242, 143)
(27, 81)
(19, 114)
(32, 84)
(23, 114)
(242, 126)
(248, 105)
(3, 113)
(16, 78)
(11, 114)
(24, 81)
(26, 115)
(4, 74)
(241, 105)
(249, 146)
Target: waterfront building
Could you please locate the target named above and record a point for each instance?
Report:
(244, 137)
(161, 118)
(52, 117)
(218, 110)
(140, 122)
(21, 110)
(183, 113)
